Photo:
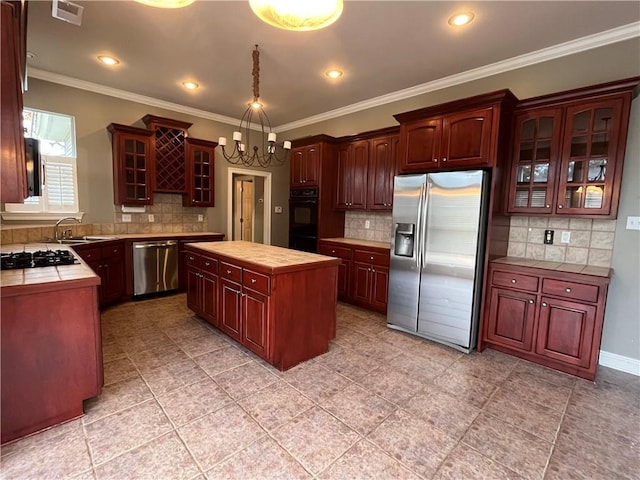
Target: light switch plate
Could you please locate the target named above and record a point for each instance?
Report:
(277, 209)
(565, 237)
(151, 218)
(367, 224)
(633, 223)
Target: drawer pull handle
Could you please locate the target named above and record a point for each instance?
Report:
(371, 258)
(190, 258)
(253, 280)
(228, 271)
(207, 263)
(544, 304)
(568, 290)
(333, 251)
(530, 301)
(514, 280)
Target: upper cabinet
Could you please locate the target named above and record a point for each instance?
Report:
(133, 171)
(13, 34)
(305, 166)
(169, 153)
(353, 164)
(200, 175)
(382, 168)
(455, 135)
(568, 150)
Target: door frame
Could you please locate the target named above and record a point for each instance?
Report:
(251, 180)
(231, 171)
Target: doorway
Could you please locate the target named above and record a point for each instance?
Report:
(249, 206)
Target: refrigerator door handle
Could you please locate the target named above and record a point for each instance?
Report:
(418, 238)
(422, 220)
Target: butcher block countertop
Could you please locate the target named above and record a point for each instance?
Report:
(356, 242)
(265, 257)
(28, 280)
(555, 266)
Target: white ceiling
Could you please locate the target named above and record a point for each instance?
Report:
(382, 46)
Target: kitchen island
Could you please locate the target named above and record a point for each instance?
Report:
(51, 343)
(278, 303)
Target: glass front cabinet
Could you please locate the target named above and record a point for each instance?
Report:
(566, 158)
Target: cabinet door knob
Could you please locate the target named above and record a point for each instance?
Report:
(530, 301)
(548, 206)
(568, 290)
(190, 257)
(333, 251)
(371, 258)
(253, 280)
(435, 159)
(559, 206)
(513, 280)
(207, 263)
(544, 304)
(228, 271)
(444, 159)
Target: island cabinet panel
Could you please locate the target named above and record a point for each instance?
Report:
(183, 257)
(551, 317)
(282, 310)
(345, 255)
(202, 286)
(51, 356)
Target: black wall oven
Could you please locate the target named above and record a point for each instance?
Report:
(303, 219)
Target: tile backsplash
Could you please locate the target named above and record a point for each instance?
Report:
(591, 241)
(379, 226)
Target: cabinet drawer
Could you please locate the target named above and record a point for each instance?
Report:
(90, 255)
(112, 251)
(209, 265)
(231, 272)
(193, 260)
(371, 257)
(340, 252)
(575, 291)
(515, 280)
(256, 281)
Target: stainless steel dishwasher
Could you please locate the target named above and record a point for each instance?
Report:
(155, 267)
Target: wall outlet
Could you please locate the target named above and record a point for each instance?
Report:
(565, 237)
(277, 209)
(633, 223)
(367, 224)
(201, 218)
(151, 218)
(126, 217)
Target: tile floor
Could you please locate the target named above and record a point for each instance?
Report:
(182, 401)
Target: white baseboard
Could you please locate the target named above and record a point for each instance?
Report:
(618, 362)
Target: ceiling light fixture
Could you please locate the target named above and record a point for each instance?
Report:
(334, 73)
(298, 15)
(190, 85)
(166, 3)
(249, 153)
(460, 19)
(107, 60)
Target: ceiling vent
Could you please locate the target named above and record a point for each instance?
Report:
(67, 11)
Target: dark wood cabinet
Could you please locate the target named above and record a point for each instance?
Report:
(13, 35)
(168, 152)
(133, 165)
(568, 151)
(107, 260)
(183, 255)
(363, 275)
(382, 169)
(305, 166)
(202, 286)
(550, 317)
(200, 173)
(351, 186)
(263, 318)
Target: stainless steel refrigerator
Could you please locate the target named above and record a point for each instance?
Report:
(437, 255)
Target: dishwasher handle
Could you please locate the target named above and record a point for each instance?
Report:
(167, 244)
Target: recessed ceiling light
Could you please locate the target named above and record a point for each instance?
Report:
(190, 85)
(460, 19)
(107, 60)
(166, 3)
(333, 73)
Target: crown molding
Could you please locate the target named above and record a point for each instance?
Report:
(590, 42)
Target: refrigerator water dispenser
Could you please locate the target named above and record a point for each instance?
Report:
(404, 239)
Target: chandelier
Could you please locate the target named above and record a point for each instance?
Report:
(298, 15)
(247, 144)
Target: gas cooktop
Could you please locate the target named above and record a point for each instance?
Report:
(40, 258)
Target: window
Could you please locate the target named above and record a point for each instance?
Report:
(56, 135)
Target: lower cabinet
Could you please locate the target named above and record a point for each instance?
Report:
(108, 262)
(549, 317)
(202, 286)
(283, 317)
(182, 256)
(363, 277)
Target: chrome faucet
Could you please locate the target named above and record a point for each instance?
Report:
(56, 231)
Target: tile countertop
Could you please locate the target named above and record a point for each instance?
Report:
(357, 242)
(556, 266)
(267, 256)
(25, 280)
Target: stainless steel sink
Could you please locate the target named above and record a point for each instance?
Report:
(85, 239)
